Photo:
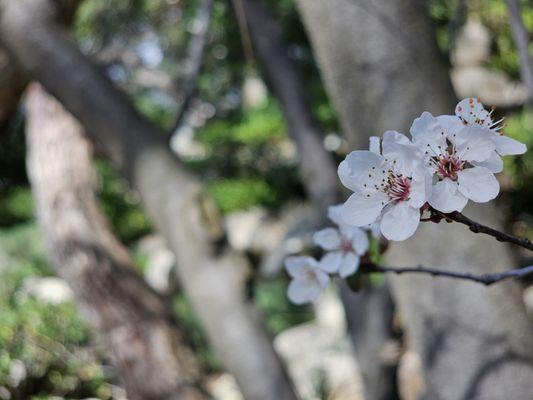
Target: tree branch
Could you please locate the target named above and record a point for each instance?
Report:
(521, 39)
(486, 279)
(193, 61)
(476, 227)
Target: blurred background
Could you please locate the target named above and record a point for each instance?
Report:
(252, 97)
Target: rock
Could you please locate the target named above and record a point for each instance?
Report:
(528, 301)
(410, 378)
(223, 387)
(242, 226)
(49, 290)
(470, 76)
(472, 47)
(160, 262)
(17, 373)
(320, 354)
(254, 92)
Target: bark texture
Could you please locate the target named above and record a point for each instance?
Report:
(371, 310)
(133, 322)
(521, 39)
(175, 200)
(382, 69)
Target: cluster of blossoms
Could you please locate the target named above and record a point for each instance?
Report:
(448, 160)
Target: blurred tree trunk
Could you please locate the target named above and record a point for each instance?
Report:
(133, 322)
(382, 68)
(370, 310)
(211, 275)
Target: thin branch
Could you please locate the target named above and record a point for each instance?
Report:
(476, 227)
(486, 279)
(193, 61)
(521, 39)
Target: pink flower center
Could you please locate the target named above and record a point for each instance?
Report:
(398, 188)
(346, 246)
(449, 165)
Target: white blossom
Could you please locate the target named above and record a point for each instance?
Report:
(472, 113)
(308, 279)
(344, 245)
(389, 184)
(451, 152)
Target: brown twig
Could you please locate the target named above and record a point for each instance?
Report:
(486, 279)
(476, 227)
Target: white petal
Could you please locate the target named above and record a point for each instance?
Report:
(361, 171)
(335, 214)
(360, 210)
(303, 291)
(428, 134)
(478, 184)
(400, 221)
(298, 266)
(403, 154)
(420, 187)
(507, 146)
(360, 242)
(375, 230)
(331, 262)
(450, 123)
(474, 143)
(375, 144)
(494, 163)
(470, 110)
(350, 264)
(328, 239)
(446, 197)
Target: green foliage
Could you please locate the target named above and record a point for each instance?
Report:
(16, 205)
(121, 204)
(237, 194)
(280, 313)
(47, 339)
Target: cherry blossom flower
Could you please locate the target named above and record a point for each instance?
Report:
(389, 184)
(308, 279)
(472, 113)
(344, 245)
(451, 152)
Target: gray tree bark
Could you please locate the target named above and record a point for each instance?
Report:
(521, 39)
(382, 68)
(133, 322)
(211, 275)
(370, 310)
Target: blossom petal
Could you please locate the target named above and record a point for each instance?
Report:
(331, 262)
(446, 197)
(360, 242)
(420, 187)
(507, 146)
(474, 143)
(374, 145)
(473, 112)
(361, 210)
(478, 184)
(361, 171)
(494, 163)
(428, 134)
(303, 291)
(335, 214)
(298, 266)
(450, 123)
(398, 149)
(328, 239)
(400, 221)
(350, 264)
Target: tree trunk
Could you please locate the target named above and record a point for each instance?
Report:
(370, 310)
(382, 69)
(211, 275)
(132, 320)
